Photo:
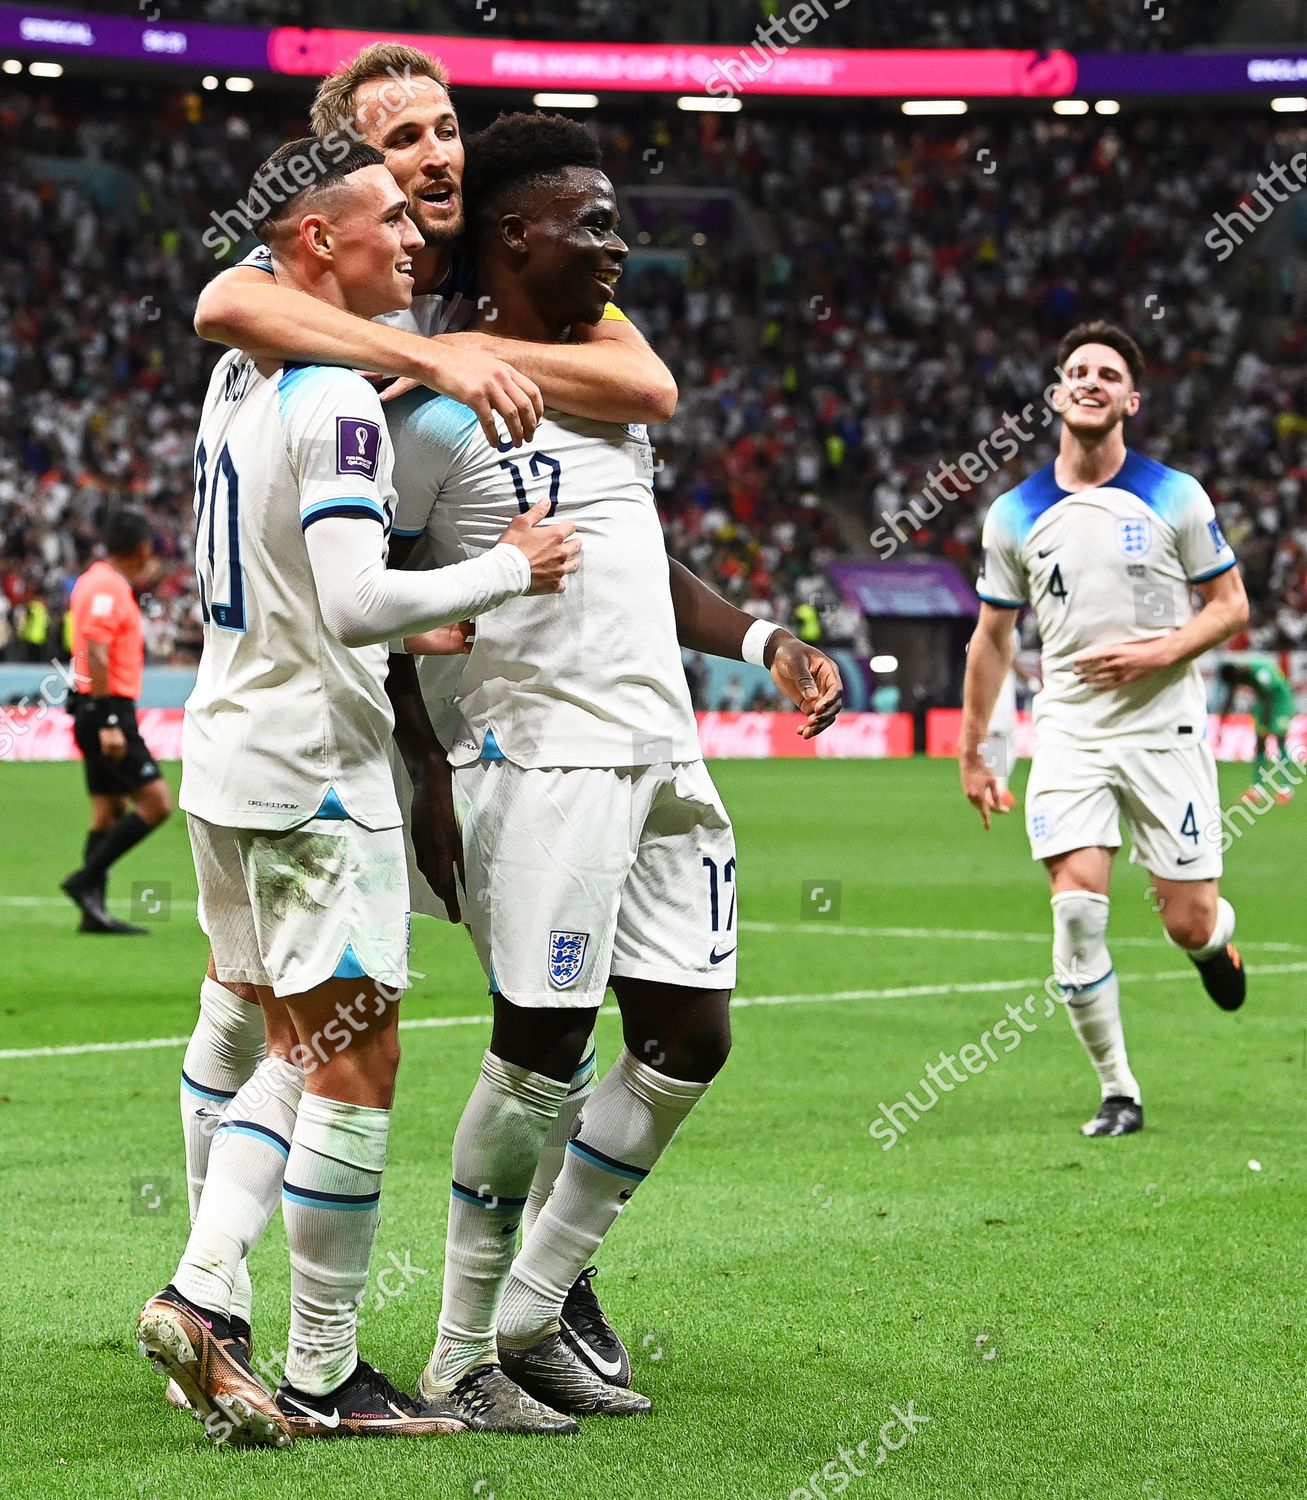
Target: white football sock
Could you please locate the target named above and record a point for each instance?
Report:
(1083, 968)
(224, 1050)
(629, 1122)
(331, 1202)
(554, 1150)
(244, 1175)
(1221, 933)
(496, 1149)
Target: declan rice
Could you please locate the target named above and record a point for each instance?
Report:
(1107, 547)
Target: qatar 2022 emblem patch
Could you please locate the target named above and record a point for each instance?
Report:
(358, 447)
(1135, 537)
(566, 957)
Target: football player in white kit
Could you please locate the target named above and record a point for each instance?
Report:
(597, 848)
(397, 99)
(294, 824)
(1107, 546)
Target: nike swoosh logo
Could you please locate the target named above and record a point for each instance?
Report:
(1048, 552)
(716, 958)
(332, 1421)
(609, 1367)
(1194, 860)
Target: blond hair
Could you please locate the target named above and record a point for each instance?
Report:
(334, 103)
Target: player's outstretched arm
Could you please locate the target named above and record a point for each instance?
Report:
(608, 372)
(247, 309)
(706, 622)
(1225, 610)
(989, 659)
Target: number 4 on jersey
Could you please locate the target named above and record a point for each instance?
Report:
(1055, 585)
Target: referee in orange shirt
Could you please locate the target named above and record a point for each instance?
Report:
(108, 661)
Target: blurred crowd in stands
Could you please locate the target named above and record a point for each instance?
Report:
(885, 294)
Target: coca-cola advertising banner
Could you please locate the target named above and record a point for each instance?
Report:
(46, 733)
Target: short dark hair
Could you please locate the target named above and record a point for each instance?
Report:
(1099, 332)
(313, 164)
(519, 149)
(124, 531)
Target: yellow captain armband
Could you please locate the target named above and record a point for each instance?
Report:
(614, 314)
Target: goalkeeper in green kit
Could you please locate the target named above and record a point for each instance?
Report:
(1272, 718)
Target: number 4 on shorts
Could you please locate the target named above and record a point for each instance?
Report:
(1189, 824)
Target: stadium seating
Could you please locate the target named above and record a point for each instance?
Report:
(886, 294)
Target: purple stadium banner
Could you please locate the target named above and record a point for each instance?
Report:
(1125, 73)
(84, 33)
(813, 71)
(925, 589)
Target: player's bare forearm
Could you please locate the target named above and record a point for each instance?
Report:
(248, 309)
(704, 620)
(989, 659)
(414, 735)
(608, 374)
(1224, 611)
(708, 623)
(437, 846)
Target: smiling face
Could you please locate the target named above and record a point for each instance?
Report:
(575, 255)
(365, 229)
(420, 139)
(1097, 392)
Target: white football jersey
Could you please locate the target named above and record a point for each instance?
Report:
(284, 720)
(1104, 566)
(591, 677)
(448, 309)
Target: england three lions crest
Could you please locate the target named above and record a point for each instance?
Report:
(1135, 537)
(566, 957)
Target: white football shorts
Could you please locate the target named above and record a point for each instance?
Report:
(1169, 800)
(293, 908)
(575, 875)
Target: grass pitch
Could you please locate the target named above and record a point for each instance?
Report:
(1075, 1318)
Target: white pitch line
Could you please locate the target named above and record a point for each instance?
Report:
(817, 928)
(834, 929)
(741, 1002)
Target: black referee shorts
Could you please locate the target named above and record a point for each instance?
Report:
(106, 777)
